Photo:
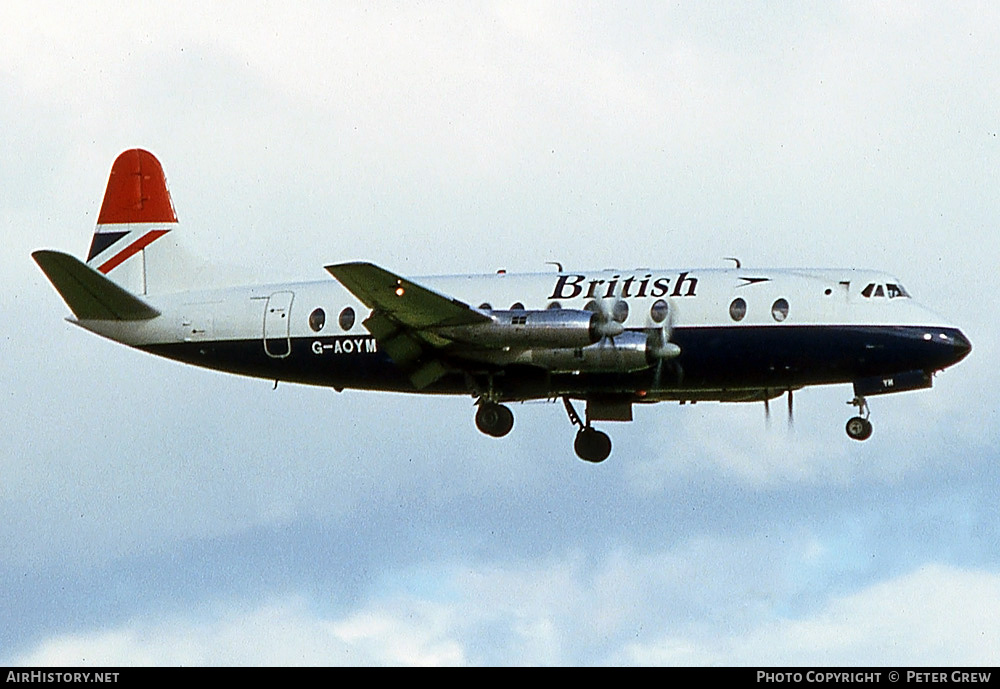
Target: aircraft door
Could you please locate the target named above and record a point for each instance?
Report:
(277, 325)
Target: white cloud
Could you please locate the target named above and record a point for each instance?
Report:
(934, 616)
(279, 632)
(631, 610)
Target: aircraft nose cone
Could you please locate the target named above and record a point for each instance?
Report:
(962, 346)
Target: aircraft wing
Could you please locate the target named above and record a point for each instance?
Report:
(402, 300)
(405, 317)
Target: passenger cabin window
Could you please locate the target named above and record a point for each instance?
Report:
(620, 311)
(346, 318)
(317, 319)
(738, 309)
(659, 310)
(779, 310)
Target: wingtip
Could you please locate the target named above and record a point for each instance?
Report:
(46, 257)
(338, 269)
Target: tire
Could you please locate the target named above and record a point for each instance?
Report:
(859, 428)
(592, 445)
(494, 420)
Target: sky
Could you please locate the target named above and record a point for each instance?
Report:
(157, 514)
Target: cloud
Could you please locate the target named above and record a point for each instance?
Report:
(280, 632)
(934, 616)
(629, 610)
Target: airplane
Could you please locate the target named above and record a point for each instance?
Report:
(610, 339)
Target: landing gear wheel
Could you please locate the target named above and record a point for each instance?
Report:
(494, 419)
(859, 428)
(592, 445)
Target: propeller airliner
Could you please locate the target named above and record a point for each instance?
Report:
(610, 339)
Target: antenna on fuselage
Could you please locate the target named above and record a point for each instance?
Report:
(557, 264)
(734, 260)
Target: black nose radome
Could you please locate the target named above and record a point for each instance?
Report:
(962, 346)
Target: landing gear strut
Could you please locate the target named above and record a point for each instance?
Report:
(591, 445)
(494, 419)
(859, 427)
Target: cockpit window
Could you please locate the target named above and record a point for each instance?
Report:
(890, 290)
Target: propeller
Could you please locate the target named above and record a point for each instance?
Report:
(611, 314)
(791, 414)
(658, 344)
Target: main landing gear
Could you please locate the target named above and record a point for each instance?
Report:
(497, 420)
(494, 419)
(591, 445)
(859, 427)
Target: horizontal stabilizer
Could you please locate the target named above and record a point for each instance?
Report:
(88, 293)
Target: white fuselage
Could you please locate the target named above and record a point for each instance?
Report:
(269, 331)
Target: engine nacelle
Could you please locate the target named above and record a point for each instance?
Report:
(548, 329)
(628, 352)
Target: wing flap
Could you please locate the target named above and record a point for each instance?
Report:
(89, 294)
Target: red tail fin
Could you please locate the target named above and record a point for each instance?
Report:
(136, 198)
(136, 243)
(137, 191)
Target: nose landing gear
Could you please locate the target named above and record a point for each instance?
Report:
(859, 427)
